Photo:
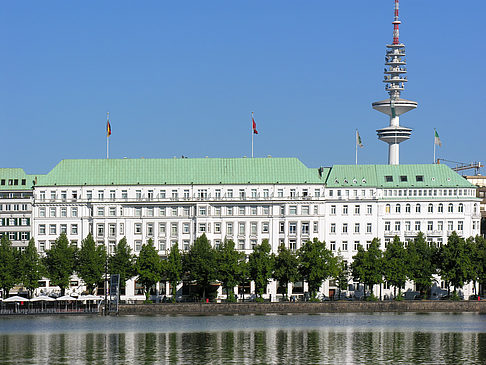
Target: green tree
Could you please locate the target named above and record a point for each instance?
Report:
(476, 247)
(200, 264)
(341, 275)
(455, 262)
(60, 262)
(122, 262)
(367, 265)
(395, 269)
(31, 267)
(286, 268)
(229, 264)
(8, 266)
(91, 261)
(148, 267)
(421, 263)
(316, 264)
(172, 269)
(260, 267)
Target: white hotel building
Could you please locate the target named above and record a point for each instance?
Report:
(248, 200)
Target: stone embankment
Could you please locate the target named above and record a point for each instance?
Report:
(326, 307)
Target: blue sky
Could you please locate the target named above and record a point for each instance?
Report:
(181, 78)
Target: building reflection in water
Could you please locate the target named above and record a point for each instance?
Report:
(246, 347)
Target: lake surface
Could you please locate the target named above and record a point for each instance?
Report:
(381, 338)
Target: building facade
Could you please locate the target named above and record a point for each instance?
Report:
(174, 201)
(16, 206)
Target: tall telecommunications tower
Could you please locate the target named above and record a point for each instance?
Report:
(395, 80)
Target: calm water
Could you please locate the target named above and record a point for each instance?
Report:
(247, 339)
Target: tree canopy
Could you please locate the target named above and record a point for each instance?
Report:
(148, 267)
(91, 261)
(31, 267)
(60, 262)
(260, 266)
(286, 268)
(229, 263)
(8, 266)
(122, 262)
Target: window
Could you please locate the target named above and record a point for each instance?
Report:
(162, 245)
(430, 226)
(101, 211)
(345, 228)
(52, 229)
(101, 194)
(241, 210)
(356, 228)
(403, 178)
(138, 228)
(150, 229)
(356, 209)
(63, 228)
(387, 226)
(398, 208)
(397, 226)
(217, 227)
(150, 212)
(315, 228)
(241, 228)
(112, 211)
(112, 230)
(292, 193)
(53, 195)
(229, 193)
(253, 210)
(292, 210)
(460, 225)
(369, 209)
(42, 229)
(185, 227)
(162, 212)
(440, 208)
(388, 178)
(280, 193)
(162, 194)
(52, 212)
(430, 208)
(175, 195)
(266, 193)
(333, 209)
(242, 194)
(122, 229)
(333, 227)
(253, 193)
(113, 195)
(419, 178)
(203, 210)
(317, 193)
(460, 208)
(124, 194)
(42, 212)
(333, 246)
(241, 244)
(387, 208)
(187, 211)
(253, 228)
(265, 227)
(369, 227)
(162, 229)
(173, 229)
(417, 225)
(305, 228)
(229, 228)
(202, 193)
(440, 225)
(292, 228)
(202, 227)
(281, 227)
(305, 210)
(266, 210)
(229, 211)
(450, 225)
(407, 208)
(345, 210)
(138, 245)
(316, 209)
(417, 208)
(450, 208)
(345, 246)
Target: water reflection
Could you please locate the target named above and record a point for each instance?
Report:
(273, 345)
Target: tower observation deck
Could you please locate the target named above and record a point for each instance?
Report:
(395, 106)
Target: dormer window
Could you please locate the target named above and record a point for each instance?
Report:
(403, 178)
(419, 178)
(389, 178)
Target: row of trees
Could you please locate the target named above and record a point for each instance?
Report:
(458, 262)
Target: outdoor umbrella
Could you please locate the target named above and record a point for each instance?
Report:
(88, 298)
(16, 298)
(66, 298)
(42, 298)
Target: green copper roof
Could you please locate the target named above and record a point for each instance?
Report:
(182, 171)
(395, 176)
(15, 179)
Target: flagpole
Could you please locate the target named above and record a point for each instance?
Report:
(252, 133)
(107, 136)
(356, 145)
(434, 145)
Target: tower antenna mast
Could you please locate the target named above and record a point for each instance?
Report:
(394, 106)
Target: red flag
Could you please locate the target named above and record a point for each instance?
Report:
(108, 128)
(254, 126)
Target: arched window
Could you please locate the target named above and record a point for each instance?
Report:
(460, 208)
(387, 208)
(398, 208)
(475, 208)
(407, 208)
(450, 208)
(417, 208)
(430, 208)
(440, 208)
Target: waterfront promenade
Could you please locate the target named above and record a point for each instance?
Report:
(306, 307)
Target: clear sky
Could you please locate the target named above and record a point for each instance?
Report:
(182, 77)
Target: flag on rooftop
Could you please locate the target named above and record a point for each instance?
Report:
(108, 128)
(358, 139)
(254, 124)
(437, 140)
